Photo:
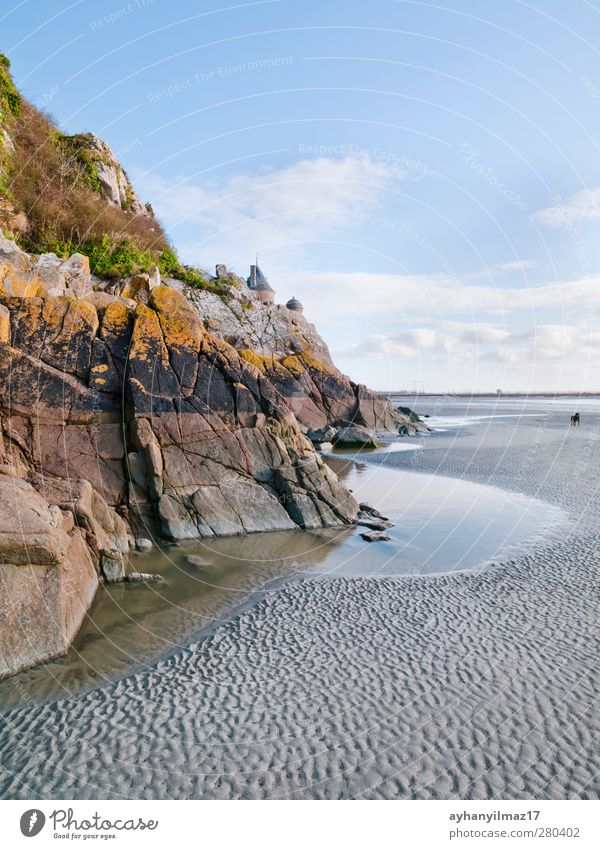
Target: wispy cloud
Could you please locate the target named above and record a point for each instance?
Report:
(373, 294)
(582, 206)
(546, 342)
(516, 265)
(287, 207)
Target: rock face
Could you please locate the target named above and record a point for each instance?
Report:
(143, 409)
(114, 182)
(123, 418)
(287, 349)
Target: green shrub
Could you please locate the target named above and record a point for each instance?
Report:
(114, 260)
(10, 99)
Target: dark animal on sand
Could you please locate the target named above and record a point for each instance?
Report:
(575, 420)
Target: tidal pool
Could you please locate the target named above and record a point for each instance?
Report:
(440, 525)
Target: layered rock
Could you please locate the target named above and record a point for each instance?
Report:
(288, 350)
(126, 413)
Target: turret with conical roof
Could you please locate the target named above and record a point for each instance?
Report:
(259, 284)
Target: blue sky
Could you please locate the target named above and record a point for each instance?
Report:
(423, 176)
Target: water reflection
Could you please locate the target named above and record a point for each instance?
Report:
(440, 524)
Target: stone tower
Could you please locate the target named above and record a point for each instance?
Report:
(259, 284)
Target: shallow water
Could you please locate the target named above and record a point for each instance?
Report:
(440, 524)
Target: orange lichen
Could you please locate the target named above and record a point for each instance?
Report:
(116, 318)
(179, 323)
(147, 342)
(252, 357)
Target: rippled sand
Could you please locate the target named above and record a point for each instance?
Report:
(459, 686)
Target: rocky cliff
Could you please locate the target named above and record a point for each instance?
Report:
(287, 349)
(139, 399)
(126, 413)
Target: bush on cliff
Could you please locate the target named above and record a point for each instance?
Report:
(10, 99)
(54, 187)
(53, 179)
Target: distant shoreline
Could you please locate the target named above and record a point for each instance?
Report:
(403, 393)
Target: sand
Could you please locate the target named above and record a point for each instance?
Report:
(459, 686)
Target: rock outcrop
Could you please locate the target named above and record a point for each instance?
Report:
(123, 419)
(104, 170)
(140, 409)
(287, 349)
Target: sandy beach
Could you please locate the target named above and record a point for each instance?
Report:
(469, 685)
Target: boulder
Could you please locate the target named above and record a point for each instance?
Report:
(374, 524)
(322, 434)
(47, 578)
(12, 255)
(53, 279)
(375, 536)
(356, 435)
(366, 507)
(112, 564)
(76, 270)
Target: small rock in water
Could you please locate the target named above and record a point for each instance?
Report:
(365, 507)
(143, 544)
(356, 435)
(112, 564)
(324, 447)
(375, 536)
(374, 524)
(197, 561)
(142, 577)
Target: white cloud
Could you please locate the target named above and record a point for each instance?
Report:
(311, 199)
(397, 295)
(582, 206)
(457, 342)
(516, 265)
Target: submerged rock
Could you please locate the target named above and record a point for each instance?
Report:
(143, 577)
(371, 522)
(366, 507)
(375, 536)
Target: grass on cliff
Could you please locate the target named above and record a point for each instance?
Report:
(55, 189)
(10, 99)
(51, 178)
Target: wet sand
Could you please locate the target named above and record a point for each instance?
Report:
(462, 685)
